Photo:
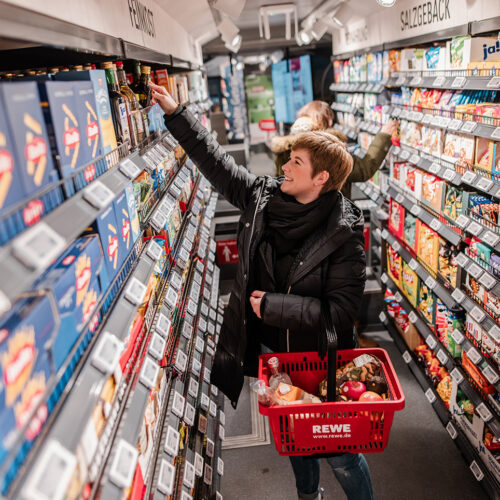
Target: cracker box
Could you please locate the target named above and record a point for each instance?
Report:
(21, 102)
(426, 303)
(125, 237)
(11, 187)
(394, 265)
(396, 218)
(413, 182)
(102, 105)
(484, 154)
(427, 246)
(410, 230)
(73, 282)
(464, 49)
(409, 284)
(432, 191)
(495, 166)
(447, 267)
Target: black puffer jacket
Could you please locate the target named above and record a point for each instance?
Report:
(330, 264)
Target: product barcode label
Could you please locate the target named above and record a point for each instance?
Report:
(430, 282)
(442, 357)
(123, 466)
(456, 375)
(429, 394)
(477, 314)
(171, 297)
(462, 221)
(189, 414)
(434, 168)
(154, 250)
(474, 270)
(196, 367)
(407, 357)
(206, 375)
(438, 81)
(473, 355)
(458, 82)
(172, 442)
(458, 295)
(129, 168)
(98, 195)
(490, 238)
(435, 224)
(166, 478)
(181, 361)
(491, 375)
(451, 430)
(476, 470)
(484, 184)
(202, 325)
(457, 336)
(158, 220)
(163, 325)
(413, 264)
(200, 345)
(135, 292)
(178, 404)
(449, 174)
(468, 127)
(431, 341)
(413, 317)
(469, 177)
(484, 412)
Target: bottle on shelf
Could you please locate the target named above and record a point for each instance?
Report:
(119, 106)
(141, 126)
(143, 91)
(277, 376)
(137, 77)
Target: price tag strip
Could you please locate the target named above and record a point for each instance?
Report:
(166, 478)
(458, 296)
(149, 373)
(442, 357)
(178, 404)
(431, 397)
(163, 325)
(157, 346)
(490, 238)
(107, 353)
(180, 361)
(451, 430)
(189, 414)
(407, 357)
(476, 470)
(193, 387)
(431, 341)
(189, 475)
(123, 466)
(172, 441)
(456, 375)
(198, 464)
(98, 195)
(491, 375)
(484, 412)
(473, 355)
(135, 292)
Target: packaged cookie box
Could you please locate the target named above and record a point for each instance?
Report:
(458, 147)
(432, 191)
(396, 218)
(426, 304)
(455, 202)
(427, 247)
(413, 182)
(447, 267)
(409, 284)
(410, 231)
(394, 265)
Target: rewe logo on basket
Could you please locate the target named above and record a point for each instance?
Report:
(332, 431)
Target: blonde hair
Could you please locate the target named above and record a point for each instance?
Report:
(320, 113)
(329, 153)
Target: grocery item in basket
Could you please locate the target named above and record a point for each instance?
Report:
(377, 384)
(265, 394)
(370, 396)
(352, 389)
(277, 376)
(287, 394)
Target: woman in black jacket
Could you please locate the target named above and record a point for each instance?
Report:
(299, 242)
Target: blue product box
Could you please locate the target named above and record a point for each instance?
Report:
(124, 226)
(27, 331)
(102, 105)
(132, 212)
(11, 188)
(21, 101)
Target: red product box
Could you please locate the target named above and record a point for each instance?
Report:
(396, 218)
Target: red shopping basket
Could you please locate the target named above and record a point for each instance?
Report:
(331, 427)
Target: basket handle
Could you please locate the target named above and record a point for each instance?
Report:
(328, 346)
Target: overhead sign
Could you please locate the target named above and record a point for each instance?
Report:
(227, 252)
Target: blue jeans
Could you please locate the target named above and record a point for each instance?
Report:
(351, 471)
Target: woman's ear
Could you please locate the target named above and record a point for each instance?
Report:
(321, 178)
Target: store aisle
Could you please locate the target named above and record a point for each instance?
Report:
(420, 462)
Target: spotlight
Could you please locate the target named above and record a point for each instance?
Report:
(386, 3)
(305, 37)
(318, 29)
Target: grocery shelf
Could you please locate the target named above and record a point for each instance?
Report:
(24, 259)
(479, 230)
(421, 212)
(488, 280)
(477, 466)
(370, 127)
(374, 88)
(452, 79)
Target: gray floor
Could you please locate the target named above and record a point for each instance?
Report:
(420, 462)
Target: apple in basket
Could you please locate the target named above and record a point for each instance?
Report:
(352, 389)
(370, 396)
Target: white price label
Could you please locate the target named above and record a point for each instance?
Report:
(434, 168)
(171, 297)
(455, 124)
(468, 127)
(198, 464)
(196, 367)
(204, 309)
(206, 375)
(98, 195)
(405, 155)
(458, 82)
(158, 220)
(435, 224)
(494, 83)
(192, 307)
(436, 121)
(458, 296)
(187, 331)
(135, 292)
(418, 116)
(176, 280)
(207, 476)
(184, 255)
(490, 238)
(484, 412)
(128, 168)
(474, 270)
(415, 210)
(382, 316)
(473, 355)
(205, 402)
(496, 134)
(438, 81)
(456, 375)
(384, 278)
(462, 221)
(157, 346)
(451, 430)
(213, 409)
(193, 387)
(484, 184)
(448, 174)
(172, 441)
(491, 375)
(427, 119)
(398, 296)
(178, 404)
(149, 373)
(442, 357)
(429, 394)
(385, 234)
(222, 417)
(400, 81)
(407, 357)
(457, 336)
(107, 353)
(494, 333)
(430, 282)
(220, 466)
(413, 264)
(212, 315)
(396, 150)
(478, 315)
(469, 177)
(396, 246)
(214, 390)
(189, 414)
(445, 121)
(123, 466)
(222, 433)
(413, 317)
(431, 341)
(476, 470)
(189, 475)
(163, 325)
(181, 361)
(52, 473)
(186, 496)
(39, 246)
(166, 478)
(202, 325)
(154, 250)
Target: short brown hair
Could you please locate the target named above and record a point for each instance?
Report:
(320, 113)
(328, 153)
